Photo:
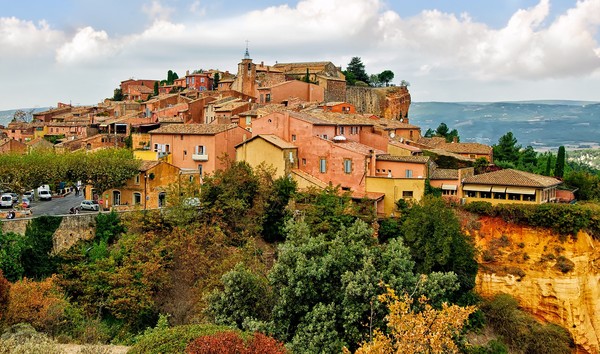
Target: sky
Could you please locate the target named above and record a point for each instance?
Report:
(78, 51)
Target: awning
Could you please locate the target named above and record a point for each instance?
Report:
(449, 187)
(477, 188)
(520, 190)
(499, 189)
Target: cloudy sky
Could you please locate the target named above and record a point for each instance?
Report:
(78, 51)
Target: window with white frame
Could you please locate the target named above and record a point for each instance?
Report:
(341, 129)
(347, 166)
(200, 150)
(322, 165)
(409, 173)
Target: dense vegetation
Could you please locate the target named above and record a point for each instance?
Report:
(327, 277)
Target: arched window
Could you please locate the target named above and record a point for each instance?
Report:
(116, 198)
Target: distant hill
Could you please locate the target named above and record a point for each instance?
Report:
(542, 124)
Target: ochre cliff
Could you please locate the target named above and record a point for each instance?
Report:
(387, 102)
(555, 281)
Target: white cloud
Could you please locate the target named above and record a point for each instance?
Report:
(431, 49)
(87, 45)
(19, 38)
(157, 11)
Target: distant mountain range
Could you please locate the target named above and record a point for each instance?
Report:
(545, 125)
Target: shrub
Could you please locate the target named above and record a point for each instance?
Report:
(232, 343)
(481, 208)
(172, 340)
(564, 264)
(521, 332)
(488, 256)
(4, 294)
(22, 338)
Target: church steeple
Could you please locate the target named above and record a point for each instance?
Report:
(247, 54)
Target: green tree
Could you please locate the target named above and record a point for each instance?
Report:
(11, 248)
(433, 233)
(108, 168)
(276, 210)
(386, 76)
(559, 169)
(156, 88)
(306, 77)
(216, 79)
(118, 95)
(452, 135)
(430, 133)
(357, 69)
(507, 149)
(335, 275)
(442, 130)
(245, 296)
(374, 80)
(480, 165)
(38, 260)
(528, 159)
(587, 184)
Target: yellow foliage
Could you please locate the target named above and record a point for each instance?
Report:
(419, 329)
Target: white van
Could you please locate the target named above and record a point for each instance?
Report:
(6, 200)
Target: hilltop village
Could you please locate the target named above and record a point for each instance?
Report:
(301, 118)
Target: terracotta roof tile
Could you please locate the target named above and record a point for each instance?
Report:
(147, 164)
(510, 177)
(444, 173)
(197, 129)
(413, 159)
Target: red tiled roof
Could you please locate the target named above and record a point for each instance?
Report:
(444, 173)
(413, 159)
(510, 177)
(197, 129)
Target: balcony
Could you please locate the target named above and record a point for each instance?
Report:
(198, 157)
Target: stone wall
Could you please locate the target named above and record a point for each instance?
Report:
(335, 91)
(72, 229)
(385, 102)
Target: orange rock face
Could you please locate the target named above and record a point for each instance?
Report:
(555, 281)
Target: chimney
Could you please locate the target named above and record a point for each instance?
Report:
(455, 140)
(187, 73)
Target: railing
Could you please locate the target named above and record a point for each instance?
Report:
(199, 157)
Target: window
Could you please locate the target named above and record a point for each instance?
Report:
(268, 97)
(184, 152)
(303, 162)
(167, 148)
(409, 174)
(116, 198)
(200, 149)
(202, 80)
(341, 130)
(471, 194)
(156, 146)
(162, 197)
(325, 136)
(529, 198)
(448, 192)
(200, 170)
(499, 195)
(512, 196)
(322, 165)
(353, 130)
(248, 120)
(293, 137)
(137, 198)
(407, 194)
(137, 179)
(486, 195)
(347, 165)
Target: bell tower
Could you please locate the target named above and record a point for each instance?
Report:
(246, 75)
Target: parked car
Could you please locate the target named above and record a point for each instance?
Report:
(29, 195)
(89, 205)
(25, 203)
(6, 200)
(15, 197)
(44, 195)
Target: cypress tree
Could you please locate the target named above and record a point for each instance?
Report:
(559, 169)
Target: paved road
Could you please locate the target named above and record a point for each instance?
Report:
(56, 206)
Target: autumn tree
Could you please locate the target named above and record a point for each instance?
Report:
(40, 303)
(4, 294)
(417, 328)
(232, 343)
